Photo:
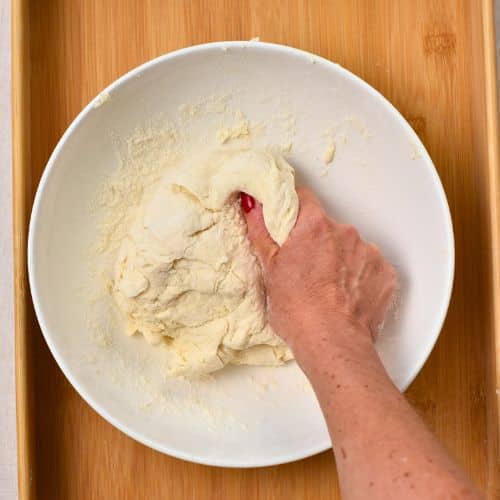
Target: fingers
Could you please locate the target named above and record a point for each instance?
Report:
(263, 244)
(307, 196)
(386, 297)
(311, 214)
(247, 202)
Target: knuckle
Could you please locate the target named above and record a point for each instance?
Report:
(318, 220)
(393, 275)
(307, 199)
(374, 250)
(305, 193)
(350, 233)
(302, 191)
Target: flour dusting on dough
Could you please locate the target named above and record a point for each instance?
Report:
(241, 129)
(233, 155)
(185, 273)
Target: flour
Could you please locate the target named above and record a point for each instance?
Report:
(186, 274)
(101, 99)
(415, 152)
(225, 134)
(329, 153)
(144, 158)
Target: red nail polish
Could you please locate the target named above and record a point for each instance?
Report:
(247, 202)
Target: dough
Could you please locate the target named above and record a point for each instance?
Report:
(185, 274)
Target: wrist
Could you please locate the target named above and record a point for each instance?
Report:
(328, 345)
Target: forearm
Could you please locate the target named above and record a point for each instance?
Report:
(382, 448)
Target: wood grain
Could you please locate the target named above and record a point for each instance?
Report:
(433, 60)
(493, 152)
(25, 321)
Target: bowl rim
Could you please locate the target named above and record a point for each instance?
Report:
(33, 227)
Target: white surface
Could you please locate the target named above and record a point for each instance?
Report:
(8, 474)
(380, 169)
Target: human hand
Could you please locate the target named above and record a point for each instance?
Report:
(328, 291)
(323, 279)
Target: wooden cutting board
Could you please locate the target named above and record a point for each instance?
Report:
(433, 59)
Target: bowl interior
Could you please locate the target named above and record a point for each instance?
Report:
(381, 180)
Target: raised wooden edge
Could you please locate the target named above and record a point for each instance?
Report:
(21, 210)
(491, 107)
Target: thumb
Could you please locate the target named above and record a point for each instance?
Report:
(264, 246)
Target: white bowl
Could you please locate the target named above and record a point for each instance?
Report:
(381, 180)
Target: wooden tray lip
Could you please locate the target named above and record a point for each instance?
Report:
(493, 152)
(21, 154)
(21, 68)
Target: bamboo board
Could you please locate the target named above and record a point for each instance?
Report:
(434, 60)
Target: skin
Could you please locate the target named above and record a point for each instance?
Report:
(328, 291)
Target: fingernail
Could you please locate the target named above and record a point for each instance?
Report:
(247, 202)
